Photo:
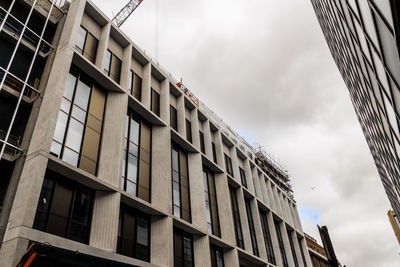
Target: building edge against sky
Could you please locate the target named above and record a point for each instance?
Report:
(363, 38)
(102, 153)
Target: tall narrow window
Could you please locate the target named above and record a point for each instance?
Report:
(86, 44)
(64, 208)
(214, 151)
(228, 163)
(133, 234)
(112, 66)
(137, 157)
(188, 130)
(78, 130)
(280, 243)
(202, 145)
(251, 227)
(135, 85)
(289, 233)
(302, 251)
(180, 184)
(155, 102)
(183, 249)
(217, 256)
(267, 237)
(211, 202)
(243, 177)
(173, 118)
(236, 218)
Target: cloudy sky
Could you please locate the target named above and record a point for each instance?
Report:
(264, 67)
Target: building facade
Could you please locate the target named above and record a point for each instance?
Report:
(102, 152)
(317, 252)
(362, 37)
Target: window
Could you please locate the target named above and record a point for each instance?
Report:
(135, 85)
(217, 256)
(267, 237)
(86, 44)
(243, 177)
(280, 243)
(236, 218)
(289, 233)
(173, 118)
(180, 184)
(64, 208)
(183, 249)
(112, 66)
(302, 252)
(136, 166)
(228, 163)
(188, 130)
(211, 202)
(214, 152)
(155, 102)
(202, 145)
(251, 227)
(80, 119)
(133, 234)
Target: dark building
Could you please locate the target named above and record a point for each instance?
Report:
(363, 37)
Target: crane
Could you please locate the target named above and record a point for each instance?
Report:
(124, 13)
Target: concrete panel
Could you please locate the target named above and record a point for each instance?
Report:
(201, 247)
(162, 247)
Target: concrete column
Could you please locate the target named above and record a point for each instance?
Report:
(162, 246)
(296, 213)
(219, 150)
(225, 214)
(195, 128)
(277, 201)
(294, 218)
(256, 183)
(296, 246)
(201, 247)
(161, 183)
(270, 194)
(196, 186)
(103, 46)
(112, 142)
(274, 239)
(11, 252)
(235, 164)
(286, 244)
(164, 101)
(263, 189)
(104, 227)
(231, 258)
(258, 229)
(288, 212)
(305, 252)
(283, 206)
(180, 110)
(207, 139)
(146, 85)
(249, 176)
(243, 221)
(126, 68)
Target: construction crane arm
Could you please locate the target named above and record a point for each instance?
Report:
(124, 13)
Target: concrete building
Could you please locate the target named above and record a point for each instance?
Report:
(363, 37)
(394, 221)
(104, 153)
(317, 252)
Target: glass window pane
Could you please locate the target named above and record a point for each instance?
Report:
(65, 105)
(132, 168)
(107, 62)
(83, 200)
(131, 188)
(55, 148)
(79, 114)
(175, 161)
(81, 39)
(60, 127)
(177, 211)
(74, 135)
(134, 134)
(69, 86)
(70, 157)
(142, 231)
(82, 95)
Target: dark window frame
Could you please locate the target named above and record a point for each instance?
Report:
(267, 237)
(173, 114)
(108, 70)
(289, 233)
(153, 94)
(82, 50)
(214, 152)
(133, 76)
(214, 258)
(182, 235)
(228, 165)
(251, 227)
(280, 243)
(236, 218)
(243, 177)
(189, 133)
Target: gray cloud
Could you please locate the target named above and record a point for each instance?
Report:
(265, 68)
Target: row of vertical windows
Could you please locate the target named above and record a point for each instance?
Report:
(86, 44)
(183, 249)
(202, 145)
(135, 85)
(64, 208)
(133, 234)
(289, 233)
(267, 237)
(217, 256)
(280, 243)
(180, 184)
(228, 163)
(251, 227)
(112, 66)
(155, 102)
(173, 118)
(211, 202)
(136, 168)
(80, 120)
(214, 151)
(243, 177)
(302, 251)
(236, 218)
(188, 130)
